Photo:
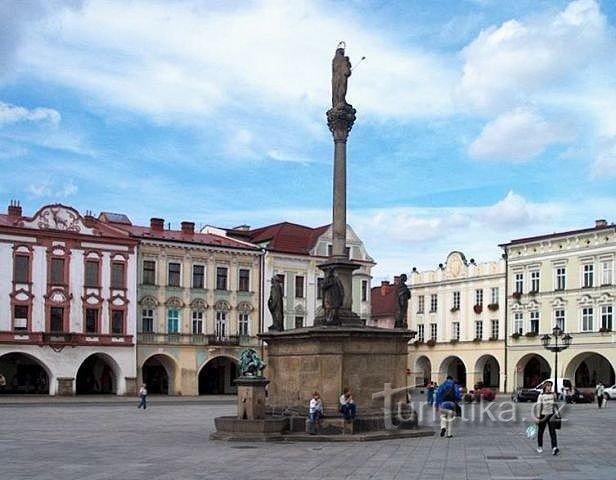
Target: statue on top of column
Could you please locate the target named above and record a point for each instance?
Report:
(341, 71)
(403, 294)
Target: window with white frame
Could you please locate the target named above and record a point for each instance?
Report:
(364, 290)
(433, 302)
(518, 322)
(559, 318)
(587, 315)
(607, 268)
(561, 275)
(20, 317)
(519, 282)
(479, 296)
(494, 295)
(421, 332)
(455, 331)
(147, 320)
(456, 300)
(494, 329)
(221, 324)
(319, 288)
(534, 281)
(534, 321)
(479, 329)
(588, 279)
(606, 317)
(173, 320)
(420, 304)
(433, 331)
(198, 276)
(221, 278)
(197, 322)
(244, 320)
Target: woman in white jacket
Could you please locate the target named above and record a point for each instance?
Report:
(546, 409)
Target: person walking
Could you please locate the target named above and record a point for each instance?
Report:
(546, 410)
(431, 393)
(600, 392)
(315, 412)
(143, 393)
(447, 397)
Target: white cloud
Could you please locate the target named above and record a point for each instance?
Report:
(604, 165)
(185, 59)
(515, 211)
(14, 113)
(506, 65)
(518, 136)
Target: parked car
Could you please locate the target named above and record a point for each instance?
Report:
(579, 396)
(610, 392)
(531, 394)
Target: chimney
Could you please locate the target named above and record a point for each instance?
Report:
(157, 224)
(14, 210)
(188, 228)
(384, 287)
(88, 219)
(600, 223)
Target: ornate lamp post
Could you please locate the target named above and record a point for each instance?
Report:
(557, 333)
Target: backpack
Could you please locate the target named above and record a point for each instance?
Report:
(449, 395)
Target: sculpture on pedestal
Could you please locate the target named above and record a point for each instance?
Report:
(341, 71)
(403, 294)
(250, 364)
(274, 303)
(333, 297)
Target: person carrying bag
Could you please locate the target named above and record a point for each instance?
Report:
(548, 415)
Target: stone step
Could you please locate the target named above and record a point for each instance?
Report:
(330, 426)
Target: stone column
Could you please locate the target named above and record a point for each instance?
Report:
(65, 387)
(251, 398)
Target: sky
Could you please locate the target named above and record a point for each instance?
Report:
(478, 121)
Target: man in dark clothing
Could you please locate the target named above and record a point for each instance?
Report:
(447, 397)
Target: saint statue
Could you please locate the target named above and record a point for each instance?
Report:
(403, 295)
(333, 296)
(341, 71)
(274, 303)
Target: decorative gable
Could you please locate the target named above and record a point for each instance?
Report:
(58, 217)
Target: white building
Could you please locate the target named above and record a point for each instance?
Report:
(458, 313)
(294, 252)
(67, 303)
(567, 279)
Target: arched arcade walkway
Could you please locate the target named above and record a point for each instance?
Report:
(24, 374)
(158, 372)
(588, 368)
(453, 366)
(98, 374)
(217, 375)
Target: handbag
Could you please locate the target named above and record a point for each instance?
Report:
(531, 431)
(556, 420)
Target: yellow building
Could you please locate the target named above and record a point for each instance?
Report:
(458, 314)
(566, 279)
(198, 306)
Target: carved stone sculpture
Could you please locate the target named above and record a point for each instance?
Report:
(403, 295)
(333, 297)
(274, 303)
(341, 71)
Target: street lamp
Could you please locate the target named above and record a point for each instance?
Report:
(557, 333)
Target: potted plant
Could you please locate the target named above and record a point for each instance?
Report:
(533, 293)
(431, 342)
(517, 295)
(516, 335)
(454, 309)
(493, 339)
(476, 339)
(478, 308)
(493, 307)
(453, 341)
(417, 342)
(605, 330)
(531, 334)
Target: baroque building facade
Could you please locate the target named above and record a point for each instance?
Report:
(198, 306)
(293, 253)
(458, 312)
(67, 303)
(567, 279)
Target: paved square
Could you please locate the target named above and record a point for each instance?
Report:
(170, 440)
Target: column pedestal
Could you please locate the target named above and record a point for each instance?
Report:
(251, 398)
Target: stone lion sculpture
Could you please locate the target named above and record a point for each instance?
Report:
(250, 363)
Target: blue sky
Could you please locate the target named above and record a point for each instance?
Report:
(478, 122)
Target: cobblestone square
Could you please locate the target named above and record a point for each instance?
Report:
(170, 440)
